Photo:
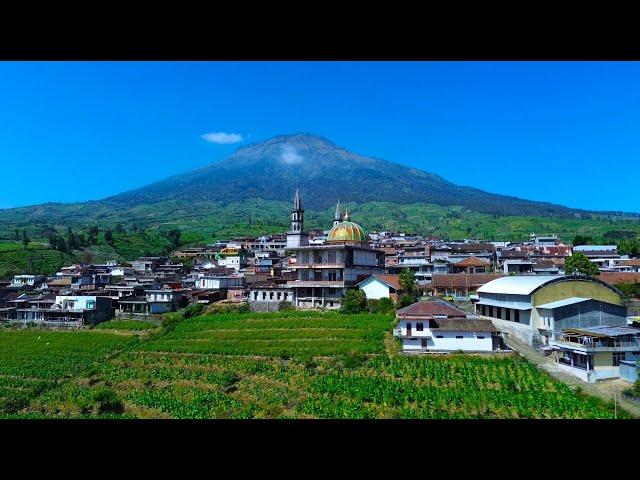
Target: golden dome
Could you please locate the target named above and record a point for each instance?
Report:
(346, 231)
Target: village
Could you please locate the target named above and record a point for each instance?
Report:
(468, 296)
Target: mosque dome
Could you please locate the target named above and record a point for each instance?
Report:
(346, 231)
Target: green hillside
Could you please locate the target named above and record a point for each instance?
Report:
(145, 227)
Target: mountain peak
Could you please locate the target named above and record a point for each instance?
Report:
(325, 172)
(302, 140)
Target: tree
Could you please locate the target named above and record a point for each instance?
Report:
(120, 230)
(108, 237)
(579, 264)
(92, 235)
(406, 300)
(174, 237)
(354, 301)
(408, 281)
(17, 233)
(581, 240)
(25, 239)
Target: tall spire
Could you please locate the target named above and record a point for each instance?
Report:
(346, 215)
(337, 216)
(296, 201)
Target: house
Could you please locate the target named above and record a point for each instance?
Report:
(65, 310)
(27, 280)
(436, 325)
(382, 286)
(457, 285)
(218, 282)
(155, 301)
(471, 265)
(596, 353)
(267, 296)
(544, 267)
(537, 308)
(147, 264)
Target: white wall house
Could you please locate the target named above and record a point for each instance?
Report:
(437, 325)
(381, 286)
(235, 262)
(219, 282)
(417, 336)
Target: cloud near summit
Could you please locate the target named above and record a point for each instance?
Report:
(290, 155)
(222, 137)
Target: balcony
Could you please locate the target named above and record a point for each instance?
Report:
(317, 265)
(316, 283)
(614, 346)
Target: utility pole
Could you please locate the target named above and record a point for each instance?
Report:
(615, 405)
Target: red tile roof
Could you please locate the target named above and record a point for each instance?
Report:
(462, 279)
(391, 280)
(473, 262)
(430, 308)
(633, 262)
(619, 277)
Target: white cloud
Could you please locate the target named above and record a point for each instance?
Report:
(290, 155)
(222, 137)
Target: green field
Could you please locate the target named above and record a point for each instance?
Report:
(288, 365)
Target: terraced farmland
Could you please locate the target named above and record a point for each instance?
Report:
(287, 365)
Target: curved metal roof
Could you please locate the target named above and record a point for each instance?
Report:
(528, 284)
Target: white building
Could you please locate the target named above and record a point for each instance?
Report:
(436, 325)
(210, 282)
(381, 286)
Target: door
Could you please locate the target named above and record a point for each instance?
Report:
(409, 329)
(423, 342)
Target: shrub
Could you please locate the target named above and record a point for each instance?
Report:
(406, 300)
(193, 310)
(382, 305)
(352, 360)
(107, 401)
(354, 301)
(286, 306)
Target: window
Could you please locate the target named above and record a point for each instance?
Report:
(617, 356)
(459, 336)
(439, 336)
(91, 304)
(419, 326)
(480, 337)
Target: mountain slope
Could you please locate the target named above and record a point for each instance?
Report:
(325, 173)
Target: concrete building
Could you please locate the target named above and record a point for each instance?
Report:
(596, 353)
(536, 308)
(382, 286)
(436, 325)
(268, 296)
(323, 273)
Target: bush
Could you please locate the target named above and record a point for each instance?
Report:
(232, 307)
(286, 306)
(107, 401)
(382, 305)
(193, 310)
(354, 301)
(352, 360)
(406, 300)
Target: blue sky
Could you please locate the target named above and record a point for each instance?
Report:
(564, 132)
